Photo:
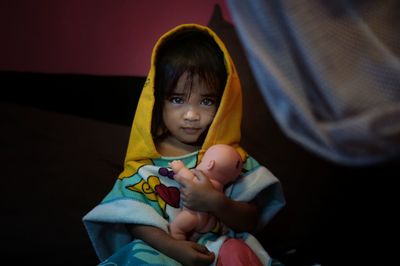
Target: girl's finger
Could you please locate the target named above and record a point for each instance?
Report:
(184, 182)
(202, 249)
(200, 175)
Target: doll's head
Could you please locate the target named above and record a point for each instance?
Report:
(222, 163)
(192, 54)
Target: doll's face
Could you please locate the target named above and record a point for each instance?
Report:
(188, 116)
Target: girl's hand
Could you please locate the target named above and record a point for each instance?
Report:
(191, 253)
(199, 194)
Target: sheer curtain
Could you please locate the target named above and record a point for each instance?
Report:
(329, 72)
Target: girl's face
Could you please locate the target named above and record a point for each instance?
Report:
(188, 116)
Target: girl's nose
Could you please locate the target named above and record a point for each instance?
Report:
(191, 115)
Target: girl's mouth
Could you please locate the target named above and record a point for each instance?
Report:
(191, 130)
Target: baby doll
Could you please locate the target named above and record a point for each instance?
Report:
(222, 164)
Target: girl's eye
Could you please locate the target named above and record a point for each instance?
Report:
(176, 100)
(207, 102)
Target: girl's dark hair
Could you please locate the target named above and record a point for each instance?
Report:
(193, 52)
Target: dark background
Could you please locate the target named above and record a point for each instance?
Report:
(62, 144)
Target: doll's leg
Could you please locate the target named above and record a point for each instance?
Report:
(206, 222)
(184, 223)
(235, 252)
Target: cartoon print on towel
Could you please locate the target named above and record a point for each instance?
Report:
(155, 191)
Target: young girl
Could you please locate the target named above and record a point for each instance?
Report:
(190, 101)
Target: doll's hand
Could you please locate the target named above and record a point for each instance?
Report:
(176, 165)
(199, 194)
(191, 253)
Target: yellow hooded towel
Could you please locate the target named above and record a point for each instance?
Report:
(224, 129)
(146, 193)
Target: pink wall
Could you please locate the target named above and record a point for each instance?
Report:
(102, 37)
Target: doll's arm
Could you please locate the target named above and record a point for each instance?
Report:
(181, 171)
